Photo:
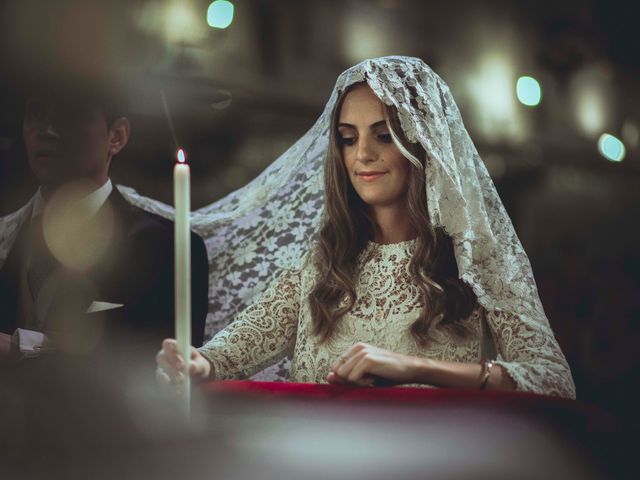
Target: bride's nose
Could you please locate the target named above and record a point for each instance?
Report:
(365, 150)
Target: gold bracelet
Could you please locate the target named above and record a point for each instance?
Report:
(486, 373)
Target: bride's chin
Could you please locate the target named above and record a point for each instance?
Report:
(374, 202)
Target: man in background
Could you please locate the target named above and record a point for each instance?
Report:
(87, 271)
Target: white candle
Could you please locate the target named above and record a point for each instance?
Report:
(182, 225)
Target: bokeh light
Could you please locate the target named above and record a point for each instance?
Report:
(611, 147)
(220, 14)
(366, 36)
(593, 100)
(182, 22)
(490, 89)
(528, 91)
(631, 133)
(77, 235)
(591, 112)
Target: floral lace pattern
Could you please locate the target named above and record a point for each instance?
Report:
(257, 232)
(387, 303)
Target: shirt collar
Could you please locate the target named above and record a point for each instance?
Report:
(92, 201)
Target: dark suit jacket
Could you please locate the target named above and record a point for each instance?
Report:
(136, 271)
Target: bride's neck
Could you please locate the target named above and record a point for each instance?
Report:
(392, 225)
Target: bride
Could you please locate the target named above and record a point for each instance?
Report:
(406, 271)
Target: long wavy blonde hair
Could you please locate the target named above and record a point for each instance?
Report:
(347, 227)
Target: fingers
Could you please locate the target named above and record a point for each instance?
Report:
(346, 355)
(169, 357)
(335, 379)
(339, 362)
(170, 363)
(169, 344)
(353, 367)
(361, 372)
(162, 377)
(345, 368)
(365, 365)
(170, 347)
(175, 379)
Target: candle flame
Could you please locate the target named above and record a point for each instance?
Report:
(181, 156)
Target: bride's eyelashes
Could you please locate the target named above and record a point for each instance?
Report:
(347, 141)
(385, 137)
(350, 141)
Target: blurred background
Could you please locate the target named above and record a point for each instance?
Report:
(549, 92)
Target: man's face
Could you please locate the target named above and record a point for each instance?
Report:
(66, 139)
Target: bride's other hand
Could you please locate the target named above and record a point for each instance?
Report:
(171, 364)
(364, 365)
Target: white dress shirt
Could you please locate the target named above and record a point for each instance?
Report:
(92, 202)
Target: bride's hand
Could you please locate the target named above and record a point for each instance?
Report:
(171, 364)
(365, 365)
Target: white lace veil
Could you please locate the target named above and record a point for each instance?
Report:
(257, 231)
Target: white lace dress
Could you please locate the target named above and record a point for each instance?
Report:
(388, 302)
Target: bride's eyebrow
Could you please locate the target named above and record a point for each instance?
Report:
(372, 126)
(381, 123)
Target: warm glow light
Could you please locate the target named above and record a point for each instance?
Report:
(220, 14)
(492, 87)
(181, 156)
(611, 147)
(591, 112)
(528, 91)
(491, 90)
(631, 133)
(75, 235)
(365, 37)
(182, 23)
(593, 97)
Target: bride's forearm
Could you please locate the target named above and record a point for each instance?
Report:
(459, 375)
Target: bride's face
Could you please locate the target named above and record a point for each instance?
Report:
(378, 171)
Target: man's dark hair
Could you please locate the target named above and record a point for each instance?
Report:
(111, 101)
(112, 104)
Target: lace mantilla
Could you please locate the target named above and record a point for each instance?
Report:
(10, 227)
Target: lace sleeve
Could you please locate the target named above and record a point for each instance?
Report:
(530, 355)
(261, 335)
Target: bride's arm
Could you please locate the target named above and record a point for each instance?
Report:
(530, 354)
(530, 360)
(261, 335)
(363, 364)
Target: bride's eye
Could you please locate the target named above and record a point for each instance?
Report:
(385, 138)
(347, 141)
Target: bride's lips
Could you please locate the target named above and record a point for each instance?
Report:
(370, 176)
